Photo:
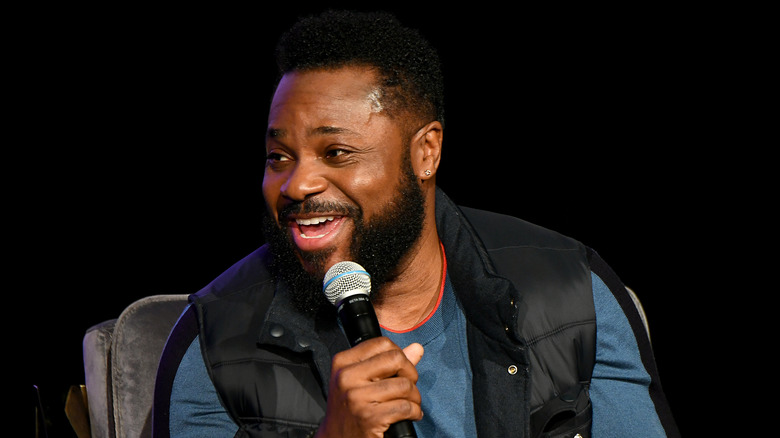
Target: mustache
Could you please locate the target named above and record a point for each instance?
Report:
(309, 206)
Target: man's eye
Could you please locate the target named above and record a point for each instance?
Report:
(335, 153)
(276, 161)
(273, 156)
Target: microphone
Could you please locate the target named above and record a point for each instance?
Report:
(347, 286)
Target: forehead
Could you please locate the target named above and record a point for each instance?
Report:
(352, 88)
(317, 102)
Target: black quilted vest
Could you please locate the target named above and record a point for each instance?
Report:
(526, 294)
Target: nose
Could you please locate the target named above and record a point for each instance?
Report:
(303, 181)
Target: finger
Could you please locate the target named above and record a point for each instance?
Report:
(374, 359)
(414, 352)
(398, 410)
(384, 365)
(365, 350)
(393, 400)
(386, 390)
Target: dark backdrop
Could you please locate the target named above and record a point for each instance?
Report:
(145, 133)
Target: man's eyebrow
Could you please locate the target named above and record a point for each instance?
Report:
(321, 130)
(275, 133)
(326, 130)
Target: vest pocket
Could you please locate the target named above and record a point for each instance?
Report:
(275, 429)
(568, 416)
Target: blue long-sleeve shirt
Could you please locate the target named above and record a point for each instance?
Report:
(619, 387)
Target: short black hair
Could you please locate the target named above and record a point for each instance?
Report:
(409, 69)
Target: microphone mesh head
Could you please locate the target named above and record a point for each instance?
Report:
(343, 279)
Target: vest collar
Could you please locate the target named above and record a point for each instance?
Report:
(490, 301)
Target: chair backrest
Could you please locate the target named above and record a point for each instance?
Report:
(640, 309)
(120, 365)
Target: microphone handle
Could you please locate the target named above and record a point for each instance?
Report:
(358, 319)
(402, 429)
(360, 323)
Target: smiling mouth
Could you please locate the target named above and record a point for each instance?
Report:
(317, 227)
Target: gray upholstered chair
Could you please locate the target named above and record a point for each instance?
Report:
(640, 309)
(120, 365)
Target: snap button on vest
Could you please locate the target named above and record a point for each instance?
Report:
(277, 330)
(304, 342)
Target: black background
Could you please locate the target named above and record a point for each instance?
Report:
(142, 155)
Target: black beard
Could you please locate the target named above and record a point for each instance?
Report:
(378, 245)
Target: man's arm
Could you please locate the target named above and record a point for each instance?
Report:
(626, 393)
(186, 402)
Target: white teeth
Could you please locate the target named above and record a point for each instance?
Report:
(314, 220)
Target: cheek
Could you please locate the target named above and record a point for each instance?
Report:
(271, 187)
(369, 183)
(374, 186)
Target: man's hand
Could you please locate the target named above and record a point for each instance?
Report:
(372, 386)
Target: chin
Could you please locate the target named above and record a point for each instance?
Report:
(317, 263)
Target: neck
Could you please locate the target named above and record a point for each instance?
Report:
(410, 297)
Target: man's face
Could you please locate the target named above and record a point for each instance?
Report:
(338, 181)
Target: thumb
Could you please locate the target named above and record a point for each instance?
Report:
(414, 352)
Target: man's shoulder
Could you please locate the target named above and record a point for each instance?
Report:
(499, 230)
(250, 273)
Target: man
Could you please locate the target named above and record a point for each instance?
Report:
(492, 326)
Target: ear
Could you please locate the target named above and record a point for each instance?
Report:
(426, 150)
